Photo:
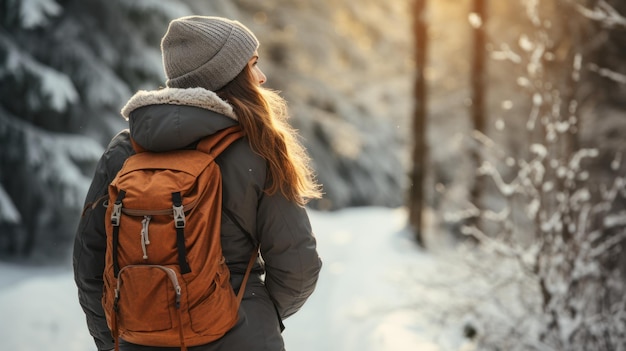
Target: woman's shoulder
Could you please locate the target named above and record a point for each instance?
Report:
(239, 160)
(118, 150)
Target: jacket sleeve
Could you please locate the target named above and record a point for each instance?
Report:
(90, 242)
(288, 248)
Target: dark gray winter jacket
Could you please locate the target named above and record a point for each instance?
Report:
(171, 119)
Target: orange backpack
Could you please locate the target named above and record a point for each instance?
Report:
(166, 282)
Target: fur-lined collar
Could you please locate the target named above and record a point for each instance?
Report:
(197, 97)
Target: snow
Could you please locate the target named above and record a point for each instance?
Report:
(8, 212)
(363, 300)
(35, 13)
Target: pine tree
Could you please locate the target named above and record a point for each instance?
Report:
(66, 68)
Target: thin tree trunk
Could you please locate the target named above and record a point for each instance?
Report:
(478, 86)
(416, 196)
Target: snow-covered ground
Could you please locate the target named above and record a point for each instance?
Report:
(362, 303)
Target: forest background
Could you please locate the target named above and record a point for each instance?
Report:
(538, 186)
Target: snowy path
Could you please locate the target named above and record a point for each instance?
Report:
(364, 253)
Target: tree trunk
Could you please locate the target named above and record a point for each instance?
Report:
(416, 196)
(478, 88)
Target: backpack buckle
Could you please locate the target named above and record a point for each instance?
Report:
(179, 216)
(117, 209)
(116, 213)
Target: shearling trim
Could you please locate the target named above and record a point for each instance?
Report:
(198, 97)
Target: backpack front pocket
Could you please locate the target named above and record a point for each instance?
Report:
(147, 298)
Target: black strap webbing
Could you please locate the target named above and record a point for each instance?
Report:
(116, 234)
(177, 201)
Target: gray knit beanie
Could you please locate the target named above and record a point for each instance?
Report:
(207, 52)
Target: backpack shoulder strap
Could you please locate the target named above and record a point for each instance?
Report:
(218, 142)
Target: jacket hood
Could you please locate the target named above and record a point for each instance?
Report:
(172, 118)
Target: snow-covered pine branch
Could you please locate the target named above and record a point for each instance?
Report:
(36, 13)
(56, 87)
(603, 13)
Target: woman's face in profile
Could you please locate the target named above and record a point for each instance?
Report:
(259, 76)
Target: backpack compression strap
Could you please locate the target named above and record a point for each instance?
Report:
(179, 223)
(115, 222)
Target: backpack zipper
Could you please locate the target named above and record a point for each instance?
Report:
(170, 273)
(145, 239)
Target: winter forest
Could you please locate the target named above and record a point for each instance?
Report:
(496, 126)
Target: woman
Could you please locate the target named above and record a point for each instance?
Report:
(214, 82)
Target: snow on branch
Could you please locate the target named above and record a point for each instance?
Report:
(615, 220)
(505, 54)
(607, 73)
(8, 212)
(55, 85)
(560, 225)
(57, 157)
(54, 159)
(35, 13)
(603, 13)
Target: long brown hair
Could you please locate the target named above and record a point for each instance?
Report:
(262, 114)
